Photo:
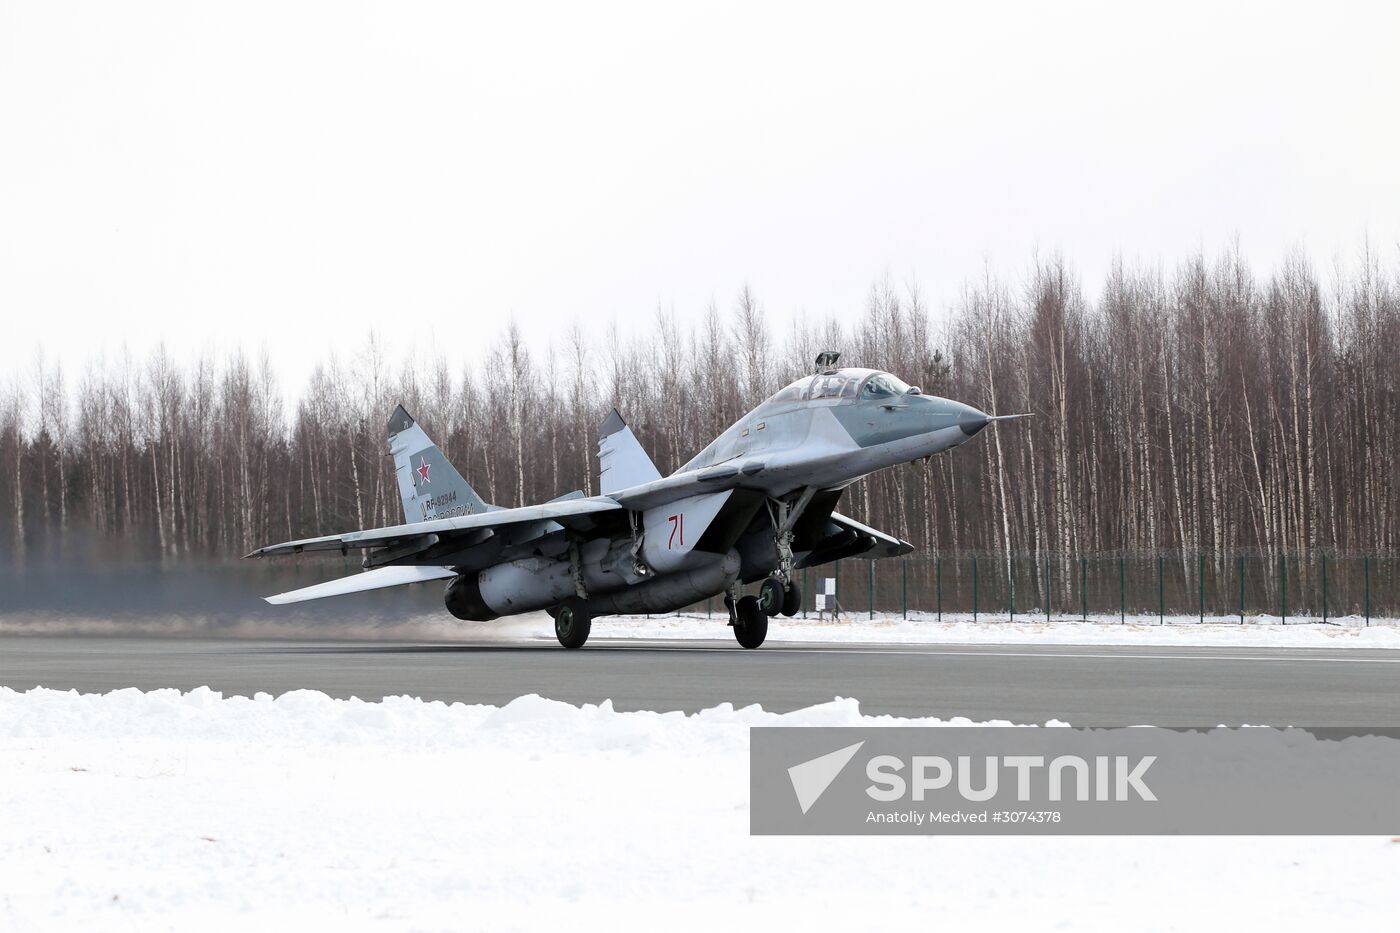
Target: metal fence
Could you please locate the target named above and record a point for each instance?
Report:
(1291, 587)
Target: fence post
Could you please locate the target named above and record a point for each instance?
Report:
(938, 584)
(1011, 587)
(806, 591)
(1122, 587)
(1241, 589)
(1201, 582)
(1161, 592)
(1047, 589)
(1324, 587)
(904, 586)
(836, 573)
(1283, 588)
(1366, 572)
(1084, 587)
(974, 587)
(710, 608)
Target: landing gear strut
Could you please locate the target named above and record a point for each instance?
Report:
(780, 594)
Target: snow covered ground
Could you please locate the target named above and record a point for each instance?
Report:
(919, 628)
(162, 810)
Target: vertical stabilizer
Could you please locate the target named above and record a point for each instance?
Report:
(621, 458)
(429, 486)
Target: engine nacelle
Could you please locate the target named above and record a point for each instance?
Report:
(609, 578)
(463, 599)
(672, 591)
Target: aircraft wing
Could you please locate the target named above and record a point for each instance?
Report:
(843, 537)
(885, 545)
(575, 513)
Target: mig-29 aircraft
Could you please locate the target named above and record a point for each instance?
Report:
(757, 504)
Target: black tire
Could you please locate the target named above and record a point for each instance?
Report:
(792, 600)
(770, 596)
(752, 626)
(572, 623)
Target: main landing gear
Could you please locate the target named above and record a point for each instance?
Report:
(749, 620)
(572, 623)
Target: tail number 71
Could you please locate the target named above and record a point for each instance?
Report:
(677, 531)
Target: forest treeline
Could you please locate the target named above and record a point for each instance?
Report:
(1196, 409)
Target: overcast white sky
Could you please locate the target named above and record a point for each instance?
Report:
(295, 174)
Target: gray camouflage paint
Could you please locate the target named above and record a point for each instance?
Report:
(515, 560)
(832, 442)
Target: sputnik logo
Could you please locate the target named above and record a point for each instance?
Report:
(811, 778)
(423, 467)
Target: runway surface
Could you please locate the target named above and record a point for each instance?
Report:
(1081, 685)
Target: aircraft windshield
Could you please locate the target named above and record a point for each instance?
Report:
(786, 396)
(883, 385)
(834, 385)
(842, 384)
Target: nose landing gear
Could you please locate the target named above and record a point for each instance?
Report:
(780, 593)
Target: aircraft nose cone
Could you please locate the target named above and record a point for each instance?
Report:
(970, 420)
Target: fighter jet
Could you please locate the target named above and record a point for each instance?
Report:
(756, 505)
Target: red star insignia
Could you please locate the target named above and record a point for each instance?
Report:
(423, 467)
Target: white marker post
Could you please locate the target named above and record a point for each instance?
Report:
(826, 597)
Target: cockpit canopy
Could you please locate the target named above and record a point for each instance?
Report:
(842, 384)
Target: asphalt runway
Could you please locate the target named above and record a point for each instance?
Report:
(1081, 685)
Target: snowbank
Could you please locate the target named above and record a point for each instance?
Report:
(165, 810)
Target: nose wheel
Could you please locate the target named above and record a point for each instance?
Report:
(792, 600)
(780, 597)
(771, 595)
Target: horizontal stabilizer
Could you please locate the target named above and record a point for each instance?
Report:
(369, 580)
